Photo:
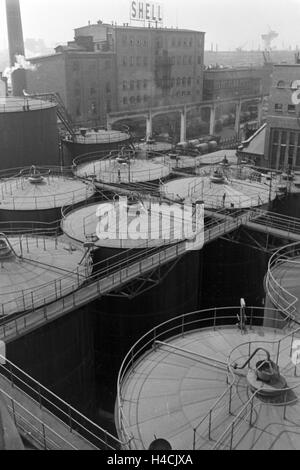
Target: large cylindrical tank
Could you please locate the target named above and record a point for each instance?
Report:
(36, 271)
(120, 168)
(37, 194)
(93, 140)
(28, 133)
(218, 191)
(170, 289)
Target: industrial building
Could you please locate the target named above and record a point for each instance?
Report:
(282, 146)
(116, 68)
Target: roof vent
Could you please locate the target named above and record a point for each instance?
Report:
(35, 176)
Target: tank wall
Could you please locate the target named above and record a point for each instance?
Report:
(73, 150)
(124, 320)
(60, 355)
(29, 138)
(44, 216)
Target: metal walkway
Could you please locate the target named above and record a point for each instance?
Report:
(109, 278)
(46, 421)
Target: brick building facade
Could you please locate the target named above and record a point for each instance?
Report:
(118, 68)
(282, 146)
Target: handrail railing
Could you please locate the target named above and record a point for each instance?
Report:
(180, 326)
(43, 435)
(284, 300)
(46, 400)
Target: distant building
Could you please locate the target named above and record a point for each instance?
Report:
(220, 83)
(118, 68)
(282, 146)
(3, 85)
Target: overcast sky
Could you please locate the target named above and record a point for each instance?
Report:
(229, 23)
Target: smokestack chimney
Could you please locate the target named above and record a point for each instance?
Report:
(16, 44)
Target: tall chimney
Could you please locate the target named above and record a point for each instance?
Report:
(16, 44)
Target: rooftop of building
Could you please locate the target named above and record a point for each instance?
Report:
(127, 26)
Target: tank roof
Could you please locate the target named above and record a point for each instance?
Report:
(15, 104)
(37, 269)
(217, 191)
(123, 170)
(81, 224)
(101, 136)
(197, 391)
(41, 189)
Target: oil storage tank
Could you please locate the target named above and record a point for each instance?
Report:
(92, 140)
(28, 132)
(170, 287)
(37, 194)
(58, 352)
(209, 381)
(120, 168)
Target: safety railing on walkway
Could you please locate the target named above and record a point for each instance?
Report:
(281, 298)
(179, 326)
(46, 401)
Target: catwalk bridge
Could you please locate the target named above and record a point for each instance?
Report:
(113, 274)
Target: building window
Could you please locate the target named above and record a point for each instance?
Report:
(178, 82)
(278, 108)
(173, 42)
(131, 85)
(179, 60)
(138, 61)
(92, 91)
(145, 61)
(184, 60)
(131, 42)
(190, 60)
(124, 61)
(131, 61)
(189, 81)
(138, 84)
(145, 83)
(124, 39)
(108, 88)
(125, 100)
(138, 99)
(108, 106)
(291, 109)
(132, 100)
(191, 42)
(184, 81)
(124, 85)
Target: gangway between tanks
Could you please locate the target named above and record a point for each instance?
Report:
(111, 275)
(46, 421)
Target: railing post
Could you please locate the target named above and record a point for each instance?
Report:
(278, 352)
(182, 326)
(44, 436)
(251, 411)
(194, 439)
(209, 425)
(231, 437)
(215, 318)
(230, 399)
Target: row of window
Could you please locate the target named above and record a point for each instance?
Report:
(174, 60)
(145, 99)
(160, 42)
(237, 83)
(172, 82)
(280, 108)
(285, 148)
(294, 85)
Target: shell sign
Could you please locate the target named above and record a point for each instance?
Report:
(151, 12)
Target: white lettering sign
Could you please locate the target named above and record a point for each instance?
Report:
(151, 12)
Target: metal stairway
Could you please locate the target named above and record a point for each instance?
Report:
(61, 110)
